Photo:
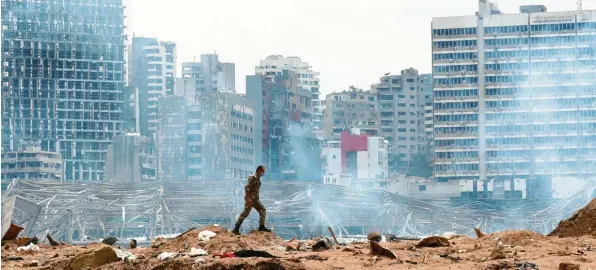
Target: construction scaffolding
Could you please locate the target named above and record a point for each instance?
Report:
(86, 211)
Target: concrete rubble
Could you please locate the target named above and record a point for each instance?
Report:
(261, 250)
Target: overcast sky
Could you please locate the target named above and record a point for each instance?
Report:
(350, 42)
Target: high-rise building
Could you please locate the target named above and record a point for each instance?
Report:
(354, 108)
(207, 136)
(307, 79)
(131, 159)
(514, 95)
(401, 100)
(152, 73)
(288, 145)
(63, 79)
(211, 75)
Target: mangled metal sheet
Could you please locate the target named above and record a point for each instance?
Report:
(79, 211)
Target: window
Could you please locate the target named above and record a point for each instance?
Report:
(386, 97)
(410, 80)
(421, 187)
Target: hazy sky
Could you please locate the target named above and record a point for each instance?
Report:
(350, 42)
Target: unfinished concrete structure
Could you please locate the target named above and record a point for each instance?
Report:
(131, 159)
(290, 149)
(29, 162)
(62, 79)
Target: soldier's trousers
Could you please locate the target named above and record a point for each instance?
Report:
(248, 205)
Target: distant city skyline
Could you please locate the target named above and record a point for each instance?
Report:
(357, 41)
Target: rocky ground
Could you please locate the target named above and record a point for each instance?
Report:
(503, 250)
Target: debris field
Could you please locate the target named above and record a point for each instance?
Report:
(572, 245)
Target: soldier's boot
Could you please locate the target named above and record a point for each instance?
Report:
(236, 230)
(263, 229)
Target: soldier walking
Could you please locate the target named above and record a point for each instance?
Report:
(251, 200)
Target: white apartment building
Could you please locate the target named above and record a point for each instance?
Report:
(356, 156)
(152, 72)
(211, 75)
(307, 79)
(514, 94)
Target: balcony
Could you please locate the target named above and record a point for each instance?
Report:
(455, 49)
(456, 147)
(456, 135)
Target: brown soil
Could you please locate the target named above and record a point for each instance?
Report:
(463, 253)
(583, 222)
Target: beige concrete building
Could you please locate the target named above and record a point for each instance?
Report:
(31, 163)
(353, 108)
(402, 115)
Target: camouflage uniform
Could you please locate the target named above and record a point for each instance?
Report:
(251, 200)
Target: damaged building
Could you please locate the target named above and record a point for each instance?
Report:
(207, 136)
(29, 162)
(290, 148)
(514, 97)
(63, 79)
(131, 159)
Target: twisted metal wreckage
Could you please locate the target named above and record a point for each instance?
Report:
(85, 211)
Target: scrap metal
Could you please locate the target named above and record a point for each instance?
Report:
(85, 211)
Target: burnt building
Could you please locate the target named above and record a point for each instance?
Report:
(290, 149)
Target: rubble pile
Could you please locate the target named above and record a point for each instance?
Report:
(213, 247)
(583, 222)
(571, 246)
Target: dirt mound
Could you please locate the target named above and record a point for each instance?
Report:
(583, 222)
(224, 241)
(515, 238)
